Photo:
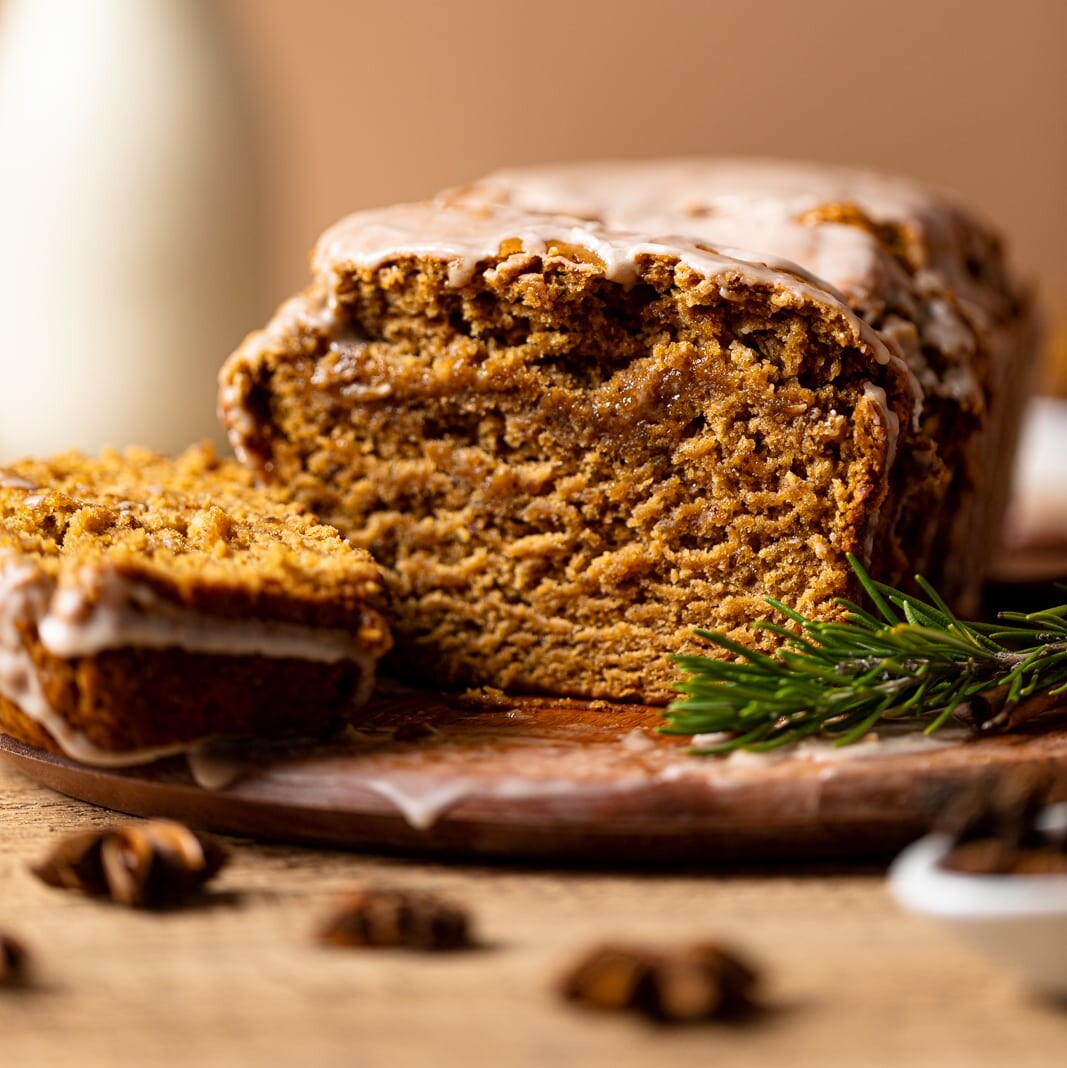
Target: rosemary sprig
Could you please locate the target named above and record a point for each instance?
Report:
(909, 658)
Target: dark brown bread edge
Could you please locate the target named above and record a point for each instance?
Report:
(131, 699)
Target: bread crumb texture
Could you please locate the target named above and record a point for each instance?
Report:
(194, 529)
(570, 442)
(563, 476)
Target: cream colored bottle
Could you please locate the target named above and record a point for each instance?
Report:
(130, 258)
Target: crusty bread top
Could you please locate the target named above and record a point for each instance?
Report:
(466, 234)
(928, 272)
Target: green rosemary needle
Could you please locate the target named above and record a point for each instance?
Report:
(908, 659)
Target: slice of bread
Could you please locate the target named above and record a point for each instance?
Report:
(148, 603)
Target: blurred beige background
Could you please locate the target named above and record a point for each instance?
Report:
(364, 103)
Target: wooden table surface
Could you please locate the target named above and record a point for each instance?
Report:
(851, 981)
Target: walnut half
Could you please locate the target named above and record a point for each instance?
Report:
(409, 919)
(146, 865)
(678, 984)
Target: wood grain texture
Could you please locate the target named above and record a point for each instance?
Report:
(559, 780)
(851, 980)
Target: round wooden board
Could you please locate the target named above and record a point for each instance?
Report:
(546, 779)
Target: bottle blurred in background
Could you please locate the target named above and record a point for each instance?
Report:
(131, 220)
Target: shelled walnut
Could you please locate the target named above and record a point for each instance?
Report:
(145, 865)
(391, 917)
(678, 984)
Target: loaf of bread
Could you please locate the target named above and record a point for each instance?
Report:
(577, 413)
(927, 273)
(148, 603)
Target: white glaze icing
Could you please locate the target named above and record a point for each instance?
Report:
(214, 765)
(704, 187)
(742, 223)
(118, 613)
(637, 739)
(425, 783)
(763, 205)
(891, 739)
(318, 315)
(423, 800)
(710, 738)
(754, 203)
(69, 623)
(420, 802)
(885, 742)
(709, 204)
(875, 395)
(24, 600)
(465, 235)
(304, 311)
(886, 416)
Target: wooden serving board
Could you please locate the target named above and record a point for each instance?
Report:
(548, 779)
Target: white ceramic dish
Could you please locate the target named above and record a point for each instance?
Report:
(1035, 528)
(1019, 921)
